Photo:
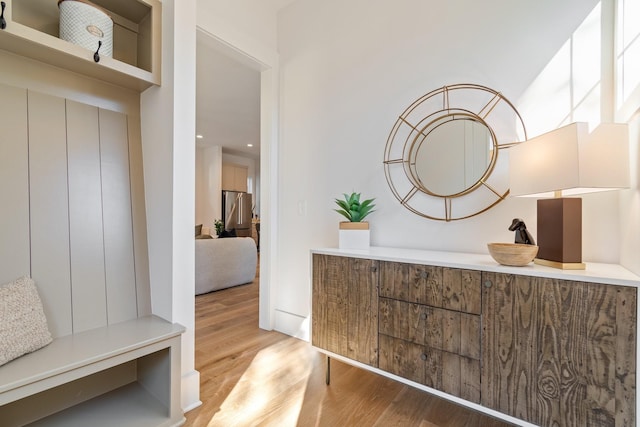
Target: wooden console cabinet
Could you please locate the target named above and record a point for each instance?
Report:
(533, 344)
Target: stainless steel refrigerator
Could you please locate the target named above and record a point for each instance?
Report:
(236, 207)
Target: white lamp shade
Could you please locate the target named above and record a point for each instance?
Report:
(571, 160)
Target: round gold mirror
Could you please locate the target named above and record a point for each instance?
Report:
(443, 156)
(453, 157)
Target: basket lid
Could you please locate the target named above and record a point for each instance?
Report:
(87, 2)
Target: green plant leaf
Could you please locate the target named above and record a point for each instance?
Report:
(352, 209)
(342, 204)
(365, 212)
(343, 213)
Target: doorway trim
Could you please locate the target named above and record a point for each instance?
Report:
(267, 65)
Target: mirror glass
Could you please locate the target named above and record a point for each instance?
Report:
(453, 156)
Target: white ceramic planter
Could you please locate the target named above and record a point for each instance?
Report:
(354, 235)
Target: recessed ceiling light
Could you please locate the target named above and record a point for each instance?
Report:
(199, 136)
(249, 145)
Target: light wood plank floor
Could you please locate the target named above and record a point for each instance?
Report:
(252, 377)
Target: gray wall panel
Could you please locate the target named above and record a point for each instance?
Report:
(139, 216)
(14, 185)
(49, 212)
(73, 211)
(85, 218)
(118, 227)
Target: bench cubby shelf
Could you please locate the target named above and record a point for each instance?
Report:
(122, 374)
(32, 32)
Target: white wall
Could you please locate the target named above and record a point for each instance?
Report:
(349, 68)
(208, 185)
(627, 102)
(168, 135)
(630, 203)
(248, 25)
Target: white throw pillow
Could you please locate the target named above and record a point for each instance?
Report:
(23, 325)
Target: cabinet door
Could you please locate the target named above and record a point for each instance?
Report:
(559, 352)
(234, 177)
(240, 178)
(598, 353)
(228, 177)
(509, 350)
(345, 307)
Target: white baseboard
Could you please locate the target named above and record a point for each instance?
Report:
(292, 324)
(190, 391)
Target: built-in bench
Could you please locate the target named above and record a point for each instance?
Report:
(124, 374)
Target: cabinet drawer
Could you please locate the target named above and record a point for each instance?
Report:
(448, 372)
(437, 328)
(442, 287)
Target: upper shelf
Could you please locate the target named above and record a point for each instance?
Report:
(32, 32)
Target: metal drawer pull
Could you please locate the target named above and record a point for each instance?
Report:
(423, 357)
(423, 316)
(424, 275)
(488, 284)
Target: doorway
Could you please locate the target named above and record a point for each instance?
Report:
(258, 81)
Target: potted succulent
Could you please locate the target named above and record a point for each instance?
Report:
(354, 233)
(219, 225)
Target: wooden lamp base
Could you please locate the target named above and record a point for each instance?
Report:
(560, 233)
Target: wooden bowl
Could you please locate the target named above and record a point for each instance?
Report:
(513, 254)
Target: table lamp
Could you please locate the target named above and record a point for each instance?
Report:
(565, 162)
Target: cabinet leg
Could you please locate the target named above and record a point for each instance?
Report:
(328, 378)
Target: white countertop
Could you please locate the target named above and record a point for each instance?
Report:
(613, 274)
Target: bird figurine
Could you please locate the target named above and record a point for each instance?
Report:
(522, 235)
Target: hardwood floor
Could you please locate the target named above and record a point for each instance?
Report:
(252, 377)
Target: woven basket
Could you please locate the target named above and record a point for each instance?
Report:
(84, 24)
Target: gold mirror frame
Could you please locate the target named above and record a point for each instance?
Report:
(477, 103)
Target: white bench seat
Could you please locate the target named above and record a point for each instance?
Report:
(129, 369)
